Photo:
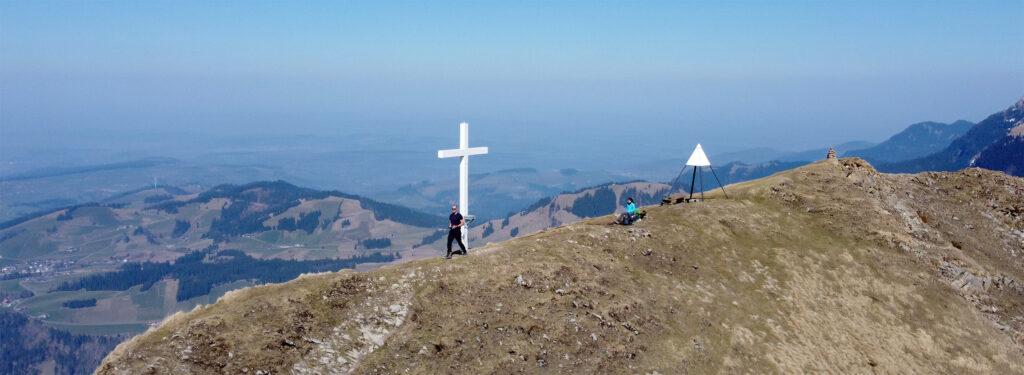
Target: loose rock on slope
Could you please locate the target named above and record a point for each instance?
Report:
(829, 267)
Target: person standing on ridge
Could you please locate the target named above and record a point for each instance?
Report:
(455, 224)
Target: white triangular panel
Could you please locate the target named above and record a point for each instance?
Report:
(698, 158)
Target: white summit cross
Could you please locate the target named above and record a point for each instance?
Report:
(464, 151)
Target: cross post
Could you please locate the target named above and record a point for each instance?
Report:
(463, 152)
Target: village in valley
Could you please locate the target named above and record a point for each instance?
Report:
(656, 188)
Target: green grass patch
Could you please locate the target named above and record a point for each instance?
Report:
(154, 297)
(11, 286)
(102, 216)
(52, 303)
(217, 292)
(271, 236)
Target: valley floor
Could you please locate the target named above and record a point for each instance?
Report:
(831, 267)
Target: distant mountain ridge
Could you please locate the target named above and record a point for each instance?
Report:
(147, 253)
(915, 141)
(496, 195)
(51, 172)
(925, 146)
(278, 219)
(257, 215)
(274, 198)
(1006, 154)
(760, 155)
(817, 154)
(569, 207)
(738, 172)
(829, 266)
(964, 151)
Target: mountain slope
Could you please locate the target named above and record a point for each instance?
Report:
(917, 140)
(568, 208)
(965, 150)
(117, 253)
(29, 346)
(753, 155)
(496, 194)
(777, 279)
(47, 189)
(765, 155)
(739, 172)
(818, 154)
(1007, 154)
(267, 219)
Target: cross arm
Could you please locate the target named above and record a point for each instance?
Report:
(461, 152)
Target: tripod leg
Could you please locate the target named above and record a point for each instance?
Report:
(692, 180)
(702, 184)
(719, 182)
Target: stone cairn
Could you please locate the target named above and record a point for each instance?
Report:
(831, 153)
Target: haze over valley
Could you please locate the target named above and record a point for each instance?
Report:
(256, 187)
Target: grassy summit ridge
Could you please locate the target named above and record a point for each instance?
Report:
(829, 267)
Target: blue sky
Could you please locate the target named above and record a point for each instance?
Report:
(783, 74)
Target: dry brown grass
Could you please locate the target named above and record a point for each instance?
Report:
(827, 268)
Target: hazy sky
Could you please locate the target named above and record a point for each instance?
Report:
(782, 74)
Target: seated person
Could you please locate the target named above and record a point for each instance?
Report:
(631, 215)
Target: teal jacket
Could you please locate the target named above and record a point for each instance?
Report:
(630, 208)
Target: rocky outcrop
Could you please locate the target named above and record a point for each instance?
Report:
(832, 267)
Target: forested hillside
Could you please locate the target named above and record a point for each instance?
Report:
(1006, 154)
(30, 347)
(199, 272)
(831, 267)
(964, 151)
(917, 140)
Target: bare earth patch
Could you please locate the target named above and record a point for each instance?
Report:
(831, 267)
